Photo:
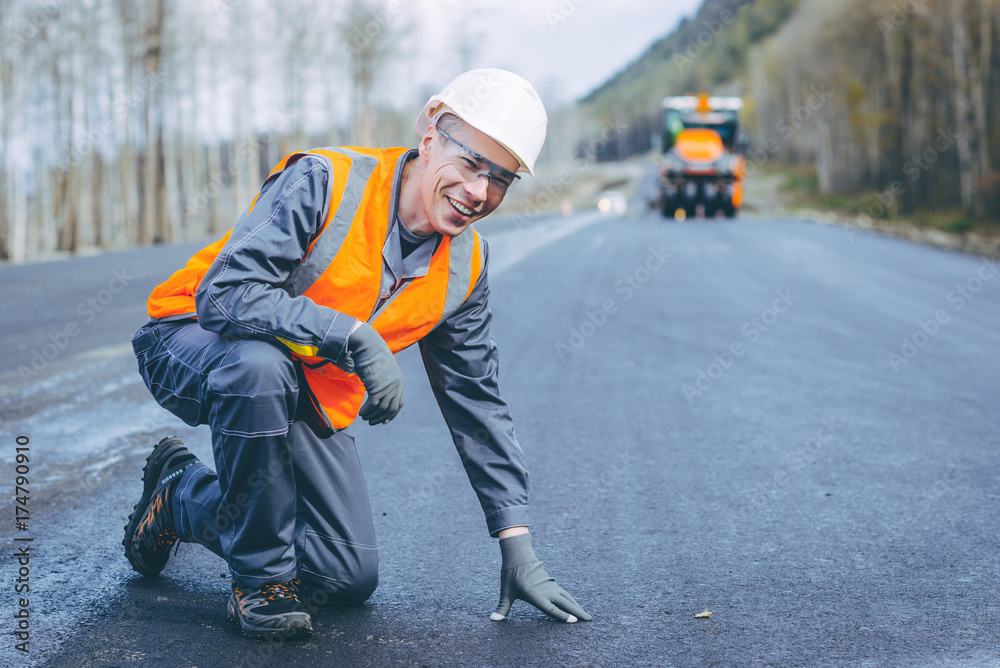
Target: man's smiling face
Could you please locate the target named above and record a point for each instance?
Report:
(451, 200)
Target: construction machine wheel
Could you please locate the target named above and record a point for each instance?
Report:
(667, 206)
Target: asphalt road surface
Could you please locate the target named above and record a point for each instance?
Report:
(791, 425)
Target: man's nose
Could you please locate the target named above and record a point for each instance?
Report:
(478, 187)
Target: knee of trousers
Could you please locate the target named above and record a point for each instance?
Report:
(258, 376)
(343, 586)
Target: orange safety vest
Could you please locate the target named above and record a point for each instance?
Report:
(343, 270)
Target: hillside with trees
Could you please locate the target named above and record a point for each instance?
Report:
(707, 52)
(885, 101)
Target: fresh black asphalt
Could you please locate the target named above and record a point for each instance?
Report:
(791, 425)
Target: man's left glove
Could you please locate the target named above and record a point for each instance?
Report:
(369, 356)
(522, 577)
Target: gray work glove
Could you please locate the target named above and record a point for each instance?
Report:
(522, 577)
(369, 356)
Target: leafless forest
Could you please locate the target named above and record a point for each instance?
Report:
(894, 98)
(128, 122)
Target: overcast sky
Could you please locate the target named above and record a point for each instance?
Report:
(564, 47)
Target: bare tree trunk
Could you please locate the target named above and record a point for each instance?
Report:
(246, 147)
(112, 199)
(96, 181)
(67, 231)
(214, 184)
(902, 111)
(82, 73)
(237, 175)
(170, 133)
(98, 162)
(963, 127)
(19, 243)
(68, 239)
(152, 165)
(45, 176)
(171, 187)
(894, 76)
(191, 167)
(191, 164)
(367, 54)
(5, 77)
(980, 85)
(824, 155)
(918, 133)
(115, 211)
(37, 210)
(131, 232)
(13, 194)
(163, 225)
(11, 102)
(49, 234)
(332, 134)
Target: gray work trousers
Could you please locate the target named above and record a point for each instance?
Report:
(282, 502)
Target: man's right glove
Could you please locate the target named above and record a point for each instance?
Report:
(522, 577)
(369, 356)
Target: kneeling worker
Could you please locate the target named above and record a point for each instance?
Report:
(273, 335)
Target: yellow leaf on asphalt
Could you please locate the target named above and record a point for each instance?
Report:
(703, 615)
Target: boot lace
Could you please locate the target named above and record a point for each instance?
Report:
(273, 592)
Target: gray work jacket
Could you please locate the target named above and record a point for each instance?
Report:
(241, 296)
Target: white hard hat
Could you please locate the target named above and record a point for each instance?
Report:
(498, 103)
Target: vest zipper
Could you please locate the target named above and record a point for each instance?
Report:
(382, 305)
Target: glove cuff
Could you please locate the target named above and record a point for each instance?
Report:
(516, 551)
(334, 345)
(361, 335)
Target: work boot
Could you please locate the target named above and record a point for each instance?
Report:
(273, 610)
(150, 533)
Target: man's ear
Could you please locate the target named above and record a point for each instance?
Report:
(425, 143)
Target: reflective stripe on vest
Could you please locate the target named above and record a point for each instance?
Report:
(343, 270)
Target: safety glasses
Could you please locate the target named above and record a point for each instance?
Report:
(473, 166)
